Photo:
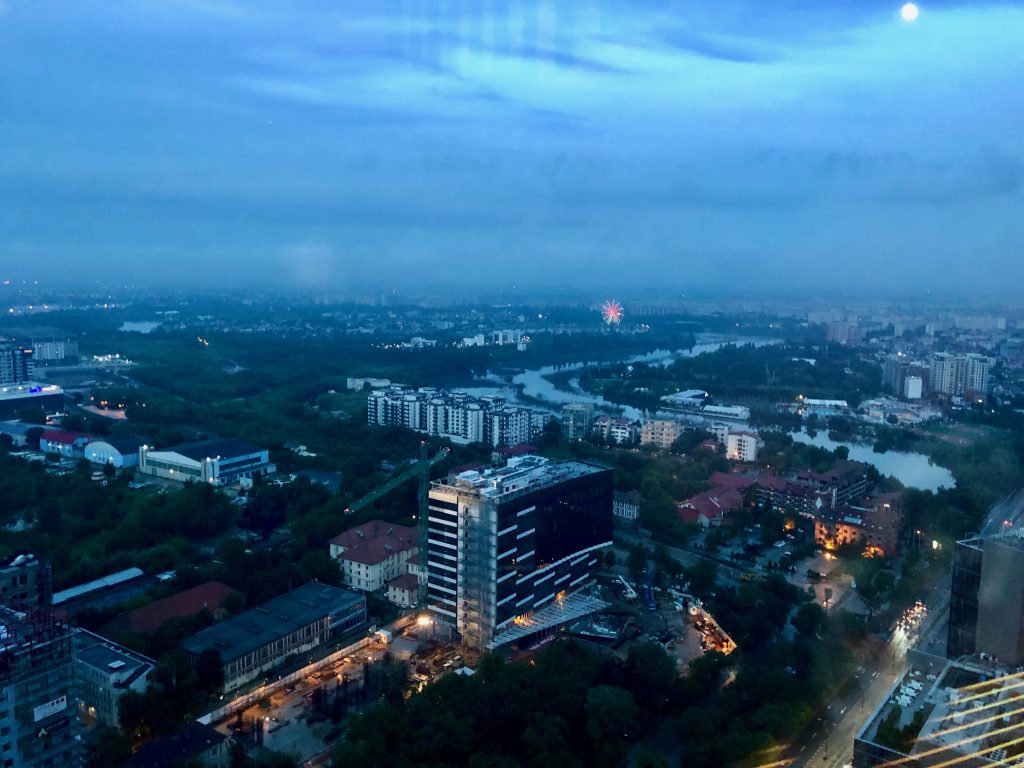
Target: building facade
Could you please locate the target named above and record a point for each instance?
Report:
(506, 543)
(741, 446)
(958, 375)
(16, 399)
(104, 671)
(454, 415)
(874, 523)
(373, 553)
(626, 506)
(217, 462)
(660, 433)
(38, 724)
(27, 581)
(120, 452)
(17, 363)
(577, 420)
(259, 639)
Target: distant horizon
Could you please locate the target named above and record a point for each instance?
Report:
(608, 146)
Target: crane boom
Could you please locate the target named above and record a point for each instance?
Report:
(420, 467)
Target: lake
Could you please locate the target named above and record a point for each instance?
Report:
(912, 469)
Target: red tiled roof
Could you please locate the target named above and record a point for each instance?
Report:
(210, 595)
(375, 541)
(727, 480)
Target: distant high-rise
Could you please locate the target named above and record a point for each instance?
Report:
(16, 363)
(577, 420)
(956, 375)
(510, 549)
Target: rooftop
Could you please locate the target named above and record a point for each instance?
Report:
(124, 444)
(149, 618)
(109, 658)
(90, 586)
(375, 541)
(29, 389)
(256, 627)
(520, 474)
(215, 449)
(178, 748)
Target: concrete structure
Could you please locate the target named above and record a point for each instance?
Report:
(120, 452)
(986, 610)
(18, 431)
(873, 522)
(26, 580)
(741, 446)
(70, 445)
(38, 725)
(959, 375)
(660, 433)
(577, 420)
(507, 544)
(913, 387)
(17, 363)
(92, 588)
(16, 399)
(195, 744)
(457, 416)
(373, 553)
(54, 349)
(968, 712)
(626, 506)
(104, 671)
(217, 462)
(356, 385)
(257, 640)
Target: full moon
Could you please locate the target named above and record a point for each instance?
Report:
(909, 12)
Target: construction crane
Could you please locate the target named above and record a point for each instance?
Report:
(421, 469)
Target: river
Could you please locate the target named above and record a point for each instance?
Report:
(912, 469)
(535, 384)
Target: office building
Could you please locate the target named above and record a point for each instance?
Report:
(660, 433)
(17, 399)
(968, 713)
(38, 724)
(16, 363)
(217, 462)
(259, 639)
(27, 581)
(373, 553)
(54, 349)
(104, 671)
(577, 420)
(986, 609)
(511, 549)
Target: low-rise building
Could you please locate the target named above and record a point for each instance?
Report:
(404, 590)
(70, 445)
(257, 640)
(373, 553)
(814, 493)
(26, 580)
(18, 431)
(660, 433)
(104, 671)
(217, 462)
(626, 505)
(209, 596)
(121, 452)
(873, 522)
(712, 507)
(617, 430)
(195, 744)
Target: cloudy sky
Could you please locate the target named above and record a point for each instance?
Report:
(685, 145)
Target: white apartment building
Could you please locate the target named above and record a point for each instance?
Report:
(956, 375)
(741, 446)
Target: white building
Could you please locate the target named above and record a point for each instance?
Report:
(119, 452)
(104, 670)
(741, 446)
(217, 462)
(374, 553)
(626, 506)
(956, 375)
(913, 387)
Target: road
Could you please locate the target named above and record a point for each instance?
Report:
(831, 744)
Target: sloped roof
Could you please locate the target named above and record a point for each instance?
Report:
(375, 541)
(149, 618)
